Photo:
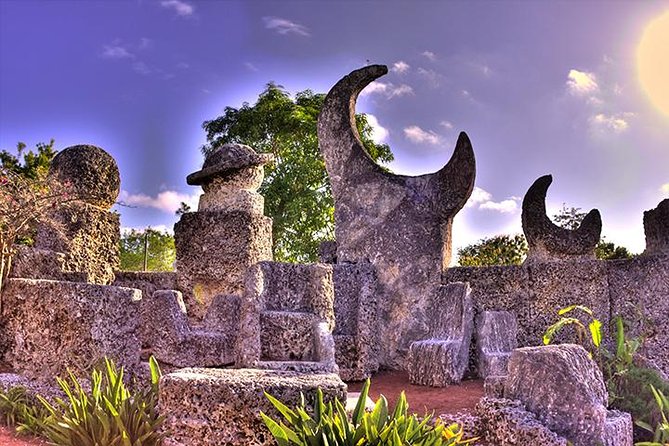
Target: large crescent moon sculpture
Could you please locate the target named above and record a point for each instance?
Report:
(548, 241)
(401, 224)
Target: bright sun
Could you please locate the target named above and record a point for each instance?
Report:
(653, 62)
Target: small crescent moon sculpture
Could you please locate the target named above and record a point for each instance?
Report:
(548, 241)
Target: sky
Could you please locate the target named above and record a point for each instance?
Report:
(575, 89)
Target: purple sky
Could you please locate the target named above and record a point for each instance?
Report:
(539, 87)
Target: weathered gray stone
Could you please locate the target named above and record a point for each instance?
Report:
(221, 407)
(146, 281)
(356, 320)
(327, 251)
(563, 387)
(174, 342)
(505, 422)
(549, 242)
(495, 338)
(656, 228)
(91, 174)
(443, 358)
(493, 386)
(226, 162)
(87, 235)
(33, 263)
(55, 325)
(32, 388)
(287, 316)
(618, 429)
(401, 224)
(639, 292)
(214, 251)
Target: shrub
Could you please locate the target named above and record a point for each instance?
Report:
(331, 426)
(661, 431)
(107, 415)
(20, 411)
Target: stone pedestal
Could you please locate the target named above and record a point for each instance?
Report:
(221, 407)
(214, 251)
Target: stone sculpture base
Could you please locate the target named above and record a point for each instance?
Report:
(88, 235)
(435, 363)
(214, 251)
(221, 407)
(54, 326)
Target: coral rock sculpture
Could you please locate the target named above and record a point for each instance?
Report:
(656, 227)
(401, 224)
(549, 242)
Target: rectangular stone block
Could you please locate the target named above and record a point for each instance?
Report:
(52, 326)
(221, 406)
(287, 336)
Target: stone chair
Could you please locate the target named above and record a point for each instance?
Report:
(165, 330)
(287, 318)
(496, 337)
(356, 316)
(443, 358)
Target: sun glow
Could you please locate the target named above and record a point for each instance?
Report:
(653, 62)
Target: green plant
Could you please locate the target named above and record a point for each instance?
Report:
(661, 430)
(331, 426)
(18, 410)
(593, 331)
(108, 415)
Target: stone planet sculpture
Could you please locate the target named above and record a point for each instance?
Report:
(548, 241)
(401, 224)
(91, 172)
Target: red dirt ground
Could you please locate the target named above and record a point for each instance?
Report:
(8, 438)
(424, 399)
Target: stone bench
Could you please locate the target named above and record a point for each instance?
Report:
(222, 406)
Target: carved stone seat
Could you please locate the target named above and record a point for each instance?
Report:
(442, 359)
(287, 318)
(496, 333)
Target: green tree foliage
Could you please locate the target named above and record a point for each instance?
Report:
(498, 250)
(161, 253)
(296, 187)
(35, 165)
(571, 218)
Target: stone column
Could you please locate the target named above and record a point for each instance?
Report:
(656, 228)
(84, 229)
(228, 233)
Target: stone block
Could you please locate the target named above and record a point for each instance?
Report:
(356, 320)
(53, 326)
(505, 422)
(493, 386)
(618, 429)
(563, 387)
(214, 251)
(221, 407)
(556, 285)
(287, 336)
(443, 358)
(495, 339)
(88, 235)
(639, 292)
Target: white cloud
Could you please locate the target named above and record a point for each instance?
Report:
(145, 43)
(430, 55)
(418, 135)
(665, 189)
(116, 51)
(379, 133)
(448, 125)
(167, 201)
(387, 89)
(616, 123)
(249, 66)
(505, 206)
(400, 67)
(581, 82)
(183, 9)
(432, 76)
(285, 26)
(482, 199)
(477, 197)
(141, 68)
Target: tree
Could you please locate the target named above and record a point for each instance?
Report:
(154, 247)
(571, 218)
(296, 187)
(35, 165)
(498, 250)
